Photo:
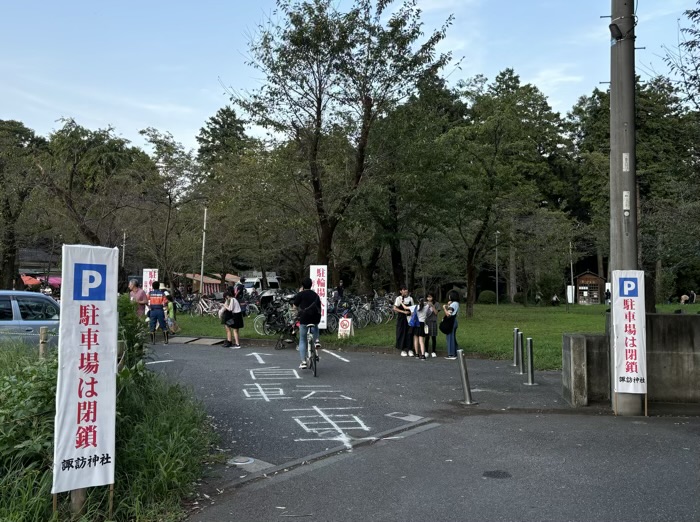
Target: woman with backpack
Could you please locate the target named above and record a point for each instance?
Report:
(419, 314)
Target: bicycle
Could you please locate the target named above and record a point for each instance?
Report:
(312, 346)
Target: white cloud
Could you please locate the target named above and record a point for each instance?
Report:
(428, 6)
(550, 78)
(670, 7)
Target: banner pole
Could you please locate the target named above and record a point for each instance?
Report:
(646, 410)
(77, 501)
(55, 502)
(111, 499)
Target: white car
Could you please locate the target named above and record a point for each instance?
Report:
(22, 314)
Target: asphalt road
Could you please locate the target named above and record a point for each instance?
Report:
(385, 438)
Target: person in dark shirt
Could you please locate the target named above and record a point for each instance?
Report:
(308, 305)
(239, 289)
(157, 303)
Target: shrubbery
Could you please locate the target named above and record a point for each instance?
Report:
(487, 297)
(162, 438)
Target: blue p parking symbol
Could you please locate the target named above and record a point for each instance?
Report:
(89, 282)
(629, 287)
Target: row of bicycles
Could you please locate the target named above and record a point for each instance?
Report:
(210, 305)
(277, 315)
(273, 314)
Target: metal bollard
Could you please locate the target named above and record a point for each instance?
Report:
(530, 365)
(465, 379)
(521, 352)
(515, 346)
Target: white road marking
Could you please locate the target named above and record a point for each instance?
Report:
(257, 356)
(274, 373)
(404, 416)
(334, 422)
(160, 362)
(334, 355)
(267, 391)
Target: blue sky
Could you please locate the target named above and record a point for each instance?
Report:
(158, 63)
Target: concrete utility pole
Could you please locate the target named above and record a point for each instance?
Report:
(623, 178)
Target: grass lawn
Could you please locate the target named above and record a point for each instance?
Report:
(488, 333)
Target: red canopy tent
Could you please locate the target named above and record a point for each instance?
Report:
(30, 281)
(54, 281)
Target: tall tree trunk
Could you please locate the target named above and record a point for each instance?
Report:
(414, 265)
(364, 279)
(526, 282)
(599, 255)
(659, 289)
(397, 263)
(325, 243)
(512, 274)
(471, 281)
(9, 256)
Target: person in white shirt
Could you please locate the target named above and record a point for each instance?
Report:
(402, 309)
(419, 331)
(232, 319)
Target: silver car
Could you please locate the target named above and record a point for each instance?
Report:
(22, 314)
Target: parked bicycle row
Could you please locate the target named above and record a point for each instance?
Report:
(277, 314)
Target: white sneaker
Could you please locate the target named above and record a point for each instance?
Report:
(302, 366)
(236, 347)
(434, 354)
(411, 354)
(403, 353)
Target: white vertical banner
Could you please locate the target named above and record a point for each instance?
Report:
(149, 275)
(84, 431)
(319, 284)
(629, 331)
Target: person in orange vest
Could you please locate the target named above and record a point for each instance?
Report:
(157, 302)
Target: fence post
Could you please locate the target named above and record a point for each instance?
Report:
(530, 365)
(465, 379)
(43, 339)
(521, 353)
(515, 346)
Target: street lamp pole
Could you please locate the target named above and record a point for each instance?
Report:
(497, 235)
(204, 239)
(123, 248)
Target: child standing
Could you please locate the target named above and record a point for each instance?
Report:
(171, 317)
(432, 323)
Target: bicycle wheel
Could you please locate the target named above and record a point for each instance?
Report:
(312, 357)
(252, 310)
(272, 328)
(259, 325)
(332, 323)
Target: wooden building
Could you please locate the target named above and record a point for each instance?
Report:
(590, 288)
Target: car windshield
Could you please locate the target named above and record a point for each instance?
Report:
(249, 284)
